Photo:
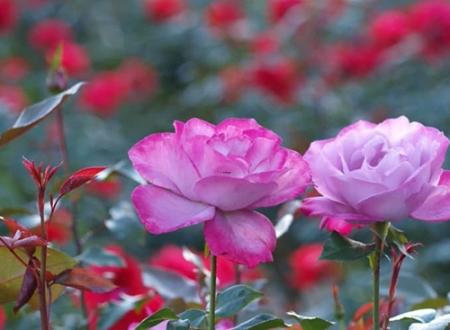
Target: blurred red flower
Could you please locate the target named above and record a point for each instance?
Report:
(307, 269)
(13, 98)
(13, 68)
(222, 15)
(277, 9)
(142, 79)
(278, 78)
(431, 19)
(362, 319)
(163, 10)
(389, 28)
(8, 15)
(2, 319)
(234, 81)
(104, 93)
(108, 189)
(264, 43)
(170, 258)
(48, 34)
(75, 60)
(129, 281)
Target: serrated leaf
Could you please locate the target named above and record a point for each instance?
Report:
(338, 247)
(233, 299)
(156, 318)
(311, 322)
(261, 322)
(12, 272)
(35, 113)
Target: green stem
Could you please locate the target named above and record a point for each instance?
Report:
(380, 232)
(212, 294)
(45, 321)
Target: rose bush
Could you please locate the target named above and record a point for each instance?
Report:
(217, 175)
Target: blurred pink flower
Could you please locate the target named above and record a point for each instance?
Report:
(142, 78)
(277, 9)
(389, 28)
(265, 43)
(2, 319)
(338, 225)
(222, 16)
(163, 10)
(307, 269)
(13, 98)
(48, 34)
(217, 175)
(388, 171)
(13, 68)
(234, 81)
(107, 189)
(8, 15)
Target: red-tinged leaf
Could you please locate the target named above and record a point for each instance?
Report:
(29, 285)
(84, 279)
(79, 178)
(18, 242)
(35, 113)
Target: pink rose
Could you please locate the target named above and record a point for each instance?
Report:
(338, 225)
(217, 175)
(388, 171)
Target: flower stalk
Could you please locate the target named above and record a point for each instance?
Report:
(212, 293)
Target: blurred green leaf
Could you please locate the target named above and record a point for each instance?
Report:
(35, 113)
(233, 299)
(95, 255)
(261, 322)
(431, 303)
(197, 318)
(338, 247)
(311, 322)
(156, 318)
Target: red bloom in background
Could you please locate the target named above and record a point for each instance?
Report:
(234, 81)
(278, 78)
(222, 15)
(163, 10)
(8, 15)
(48, 34)
(307, 269)
(13, 98)
(104, 94)
(431, 19)
(129, 281)
(277, 9)
(389, 28)
(75, 60)
(264, 43)
(108, 189)
(13, 68)
(170, 258)
(2, 319)
(142, 79)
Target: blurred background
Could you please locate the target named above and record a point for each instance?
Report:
(303, 68)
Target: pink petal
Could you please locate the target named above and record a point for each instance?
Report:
(230, 194)
(160, 160)
(245, 237)
(322, 206)
(162, 211)
(290, 184)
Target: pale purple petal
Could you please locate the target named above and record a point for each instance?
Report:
(163, 211)
(244, 237)
(160, 160)
(230, 194)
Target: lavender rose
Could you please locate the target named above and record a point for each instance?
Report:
(388, 171)
(217, 175)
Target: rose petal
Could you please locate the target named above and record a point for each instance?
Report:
(161, 161)
(162, 211)
(244, 237)
(229, 194)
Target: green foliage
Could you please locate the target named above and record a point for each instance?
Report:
(261, 322)
(233, 299)
(156, 318)
(311, 323)
(341, 248)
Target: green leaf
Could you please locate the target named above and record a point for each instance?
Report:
(35, 113)
(338, 247)
(439, 323)
(12, 272)
(197, 318)
(231, 300)
(95, 255)
(179, 325)
(261, 322)
(431, 303)
(311, 322)
(156, 318)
